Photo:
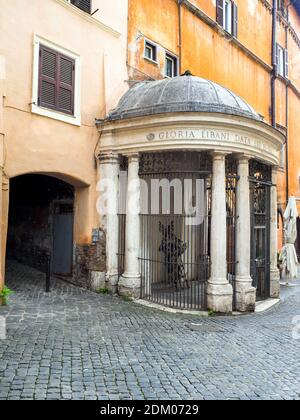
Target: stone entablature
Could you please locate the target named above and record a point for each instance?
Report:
(203, 131)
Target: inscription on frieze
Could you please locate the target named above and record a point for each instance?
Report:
(208, 135)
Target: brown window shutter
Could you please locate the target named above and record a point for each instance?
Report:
(47, 78)
(84, 5)
(286, 63)
(234, 20)
(56, 81)
(220, 12)
(65, 85)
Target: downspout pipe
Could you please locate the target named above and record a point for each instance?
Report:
(287, 128)
(179, 3)
(274, 64)
(291, 3)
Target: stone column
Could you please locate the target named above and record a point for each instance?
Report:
(275, 274)
(219, 291)
(4, 208)
(130, 281)
(245, 292)
(109, 178)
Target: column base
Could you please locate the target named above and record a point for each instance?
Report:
(112, 281)
(219, 296)
(97, 281)
(245, 294)
(275, 284)
(130, 286)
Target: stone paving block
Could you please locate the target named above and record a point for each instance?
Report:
(74, 344)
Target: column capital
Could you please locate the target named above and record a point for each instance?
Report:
(133, 157)
(219, 154)
(243, 158)
(109, 158)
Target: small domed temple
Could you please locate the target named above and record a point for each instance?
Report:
(197, 226)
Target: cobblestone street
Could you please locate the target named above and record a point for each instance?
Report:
(74, 344)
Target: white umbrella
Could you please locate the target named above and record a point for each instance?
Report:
(288, 253)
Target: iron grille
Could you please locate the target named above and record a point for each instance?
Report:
(260, 191)
(175, 262)
(231, 185)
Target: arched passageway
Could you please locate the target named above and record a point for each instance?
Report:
(41, 222)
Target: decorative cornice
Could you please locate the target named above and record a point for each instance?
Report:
(88, 17)
(267, 5)
(290, 84)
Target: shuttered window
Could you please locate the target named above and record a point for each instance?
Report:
(227, 16)
(282, 61)
(234, 20)
(56, 81)
(84, 5)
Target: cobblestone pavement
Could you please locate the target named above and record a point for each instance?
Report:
(73, 344)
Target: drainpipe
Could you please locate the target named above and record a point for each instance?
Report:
(180, 34)
(287, 127)
(291, 3)
(274, 64)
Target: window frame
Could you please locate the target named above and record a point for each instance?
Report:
(282, 61)
(74, 119)
(174, 58)
(154, 48)
(227, 16)
(228, 7)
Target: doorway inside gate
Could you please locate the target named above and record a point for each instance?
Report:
(260, 192)
(41, 223)
(175, 262)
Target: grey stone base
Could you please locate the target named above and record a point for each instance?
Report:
(219, 297)
(245, 295)
(112, 281)
(275, 284)
(130, 286)
(98, 281)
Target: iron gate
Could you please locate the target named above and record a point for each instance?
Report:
(175, 263)
(231, 185)
(260, 190)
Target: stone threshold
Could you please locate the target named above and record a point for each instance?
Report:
(265, 305)
(260, 308)
(162, 308)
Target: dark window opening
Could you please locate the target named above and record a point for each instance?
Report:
(171, 66)
(150, 51)
(84, 5)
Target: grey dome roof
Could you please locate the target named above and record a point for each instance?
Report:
(180, 94)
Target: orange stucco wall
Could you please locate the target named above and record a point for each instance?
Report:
(208, 53)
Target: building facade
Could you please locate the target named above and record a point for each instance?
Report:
(58, 72)
(251, 47)
(212, 109)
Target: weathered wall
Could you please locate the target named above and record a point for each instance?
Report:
(37, 144)
(208, 53)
